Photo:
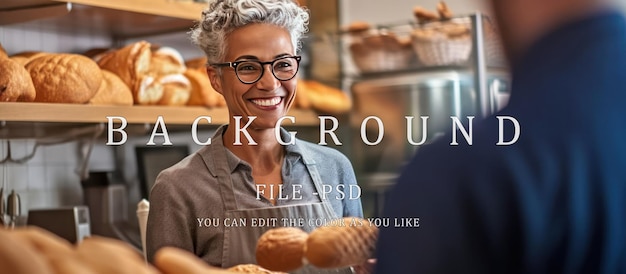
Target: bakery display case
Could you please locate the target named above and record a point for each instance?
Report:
(449, 68)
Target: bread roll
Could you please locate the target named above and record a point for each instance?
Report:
(17, 257)
(107, 255)
(167, 60)
(59, 254)
(97, 53)
(423, 15)
(64, 78)
(131, 63)
(349, 241)
(171, 260)
(176, 90)
(281, 249)
(16, 84)
(252, 269)
(113, 91)
(202, 93)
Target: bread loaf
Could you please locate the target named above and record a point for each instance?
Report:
(326, 99)
(301, 100)
(167, 60)
(17, 257)
(107, 255)
(176, 90)
(202, 93)
(130, 63)
(113, 91)
(16, 84)
(64, 78)
(171, 260)
(281, 249)
(197, 63)
(346, 242)
(148, 92)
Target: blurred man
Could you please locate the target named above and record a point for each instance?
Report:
(553, 202)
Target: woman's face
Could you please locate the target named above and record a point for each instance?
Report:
(268, 99)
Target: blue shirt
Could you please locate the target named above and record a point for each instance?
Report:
(555, 201)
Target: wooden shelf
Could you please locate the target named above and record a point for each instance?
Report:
(74, 113)
(115, 18)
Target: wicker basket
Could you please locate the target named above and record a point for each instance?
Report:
(441, 52)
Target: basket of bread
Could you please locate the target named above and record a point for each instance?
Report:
(379, 48)
(439, 38)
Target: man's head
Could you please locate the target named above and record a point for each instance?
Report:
(522, 22)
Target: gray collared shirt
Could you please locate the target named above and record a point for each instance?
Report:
(186, 207)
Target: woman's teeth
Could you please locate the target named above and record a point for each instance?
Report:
(267, 102)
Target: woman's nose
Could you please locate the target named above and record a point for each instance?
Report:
(268, 81)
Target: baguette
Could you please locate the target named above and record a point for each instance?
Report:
(346, 242)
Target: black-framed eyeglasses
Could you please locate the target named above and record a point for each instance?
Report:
(250, 71)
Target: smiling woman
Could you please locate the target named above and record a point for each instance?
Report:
(252, 51)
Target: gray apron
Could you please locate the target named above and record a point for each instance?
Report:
(240, 241)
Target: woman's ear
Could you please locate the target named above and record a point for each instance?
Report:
(216, 82)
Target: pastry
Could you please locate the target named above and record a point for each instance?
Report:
(16, 84)
(202, 93)
(281, 249)
(176, 90)
(113, 91)
(342, 243)
(64, 78)
(131, 63)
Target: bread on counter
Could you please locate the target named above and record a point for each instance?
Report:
(172, 260)
(251, 269)
(16, 85)
(3, 53)
(17, 257)
(64, 78)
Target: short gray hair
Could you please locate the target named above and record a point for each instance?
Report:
(224, 16)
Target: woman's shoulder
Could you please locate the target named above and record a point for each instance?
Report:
(322, 154)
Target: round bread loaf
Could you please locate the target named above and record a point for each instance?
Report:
(16, 84)
(349, 241)
(281, 249)
(19, 258)
(64, 78)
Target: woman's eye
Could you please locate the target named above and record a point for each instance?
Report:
(282, 65)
